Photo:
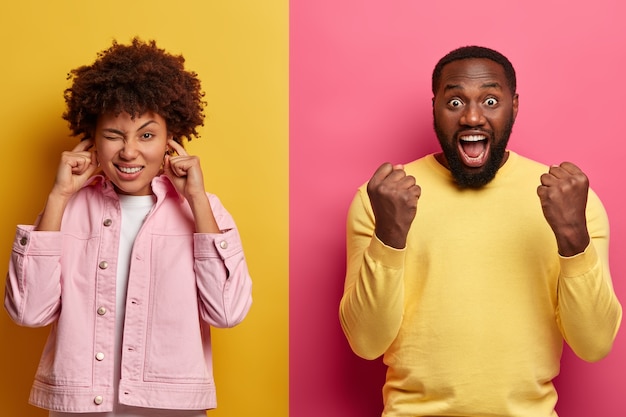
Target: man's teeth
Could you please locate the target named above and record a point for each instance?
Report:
(127, 170)
(473, 138)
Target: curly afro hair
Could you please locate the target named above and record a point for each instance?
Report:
(135, 79)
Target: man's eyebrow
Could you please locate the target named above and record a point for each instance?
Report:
(484, 86)
(492, 85)
(452, 87)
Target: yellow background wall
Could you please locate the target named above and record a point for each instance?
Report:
(239, 48)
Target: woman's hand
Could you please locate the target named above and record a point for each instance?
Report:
(185, 172)
(74, 170)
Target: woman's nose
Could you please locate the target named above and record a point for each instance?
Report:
(128, 150)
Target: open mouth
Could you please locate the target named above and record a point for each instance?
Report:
(474, 150)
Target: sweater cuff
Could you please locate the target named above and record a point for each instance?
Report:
(579, 264)
(386, 255)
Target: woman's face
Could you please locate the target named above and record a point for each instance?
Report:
(130, 151)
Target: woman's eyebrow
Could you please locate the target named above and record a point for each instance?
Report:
(119, 132)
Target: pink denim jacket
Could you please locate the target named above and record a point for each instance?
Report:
(180, 284)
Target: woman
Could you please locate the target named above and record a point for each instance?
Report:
(130, 261)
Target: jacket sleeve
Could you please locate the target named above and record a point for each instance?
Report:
(589, 312)
(223, 280)
(371, 308)
(33, 285)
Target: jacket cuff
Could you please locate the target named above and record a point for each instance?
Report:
(217, 245)
(27, 240)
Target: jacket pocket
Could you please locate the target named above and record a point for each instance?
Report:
(175, 349)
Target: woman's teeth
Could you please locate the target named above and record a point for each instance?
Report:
(127, 170)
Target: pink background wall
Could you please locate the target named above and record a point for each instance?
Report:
(360, 95)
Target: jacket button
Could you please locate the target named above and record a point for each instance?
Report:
(223, 244)
(99, 356)
(108, 222)
(23, 241)
(103, 265)
(98, 399)
(102, 311)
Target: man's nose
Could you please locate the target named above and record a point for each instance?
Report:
(472, 115)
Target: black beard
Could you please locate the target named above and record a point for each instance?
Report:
(464, 177)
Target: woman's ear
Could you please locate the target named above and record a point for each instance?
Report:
(92, 146)
(168, 149)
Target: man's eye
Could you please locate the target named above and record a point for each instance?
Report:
(455, 102)
(491, 102)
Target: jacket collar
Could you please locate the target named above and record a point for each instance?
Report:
(161, 186)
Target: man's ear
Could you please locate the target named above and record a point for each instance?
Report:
(515, 105)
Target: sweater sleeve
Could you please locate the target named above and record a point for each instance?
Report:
(589, 313)
(32, 294)
(223, 280)
(371, 308)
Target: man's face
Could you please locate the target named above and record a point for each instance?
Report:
(474, 111)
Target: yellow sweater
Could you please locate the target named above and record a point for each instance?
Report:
(472, 314)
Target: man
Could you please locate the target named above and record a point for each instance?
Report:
(468, 268)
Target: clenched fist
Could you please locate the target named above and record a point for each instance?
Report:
(394, 196)
(563, 195)
(75, 168)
